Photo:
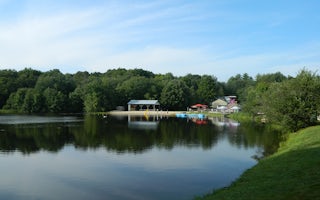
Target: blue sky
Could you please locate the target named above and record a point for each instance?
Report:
(214, 37)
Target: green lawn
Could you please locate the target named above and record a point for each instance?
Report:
(291, 173)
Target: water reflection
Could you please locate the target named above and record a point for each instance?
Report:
(130, 134)
(143, 122)
(33, 119)
(92, 157)
(223, 122)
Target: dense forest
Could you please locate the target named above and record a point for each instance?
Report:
(32, 91)
(290, 101)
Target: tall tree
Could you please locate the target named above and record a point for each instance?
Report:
(28, 77)
(271, 78)
(294, 103)
(237, 85)
(252, 101)
(94, 95)
(192, 82)
(81, 78)
(91, 103)
(140, 72)
(135, 87)
(207, 89)
(76, 100)
(16, 99)
(28, 105)
(54, 79)
(175, 95)
(8, 84)
(55, 100)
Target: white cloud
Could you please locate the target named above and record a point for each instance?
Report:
(47, 40)
(289, 63)
(161, 36)
(77, 37)
(181, 61)
(156, 59)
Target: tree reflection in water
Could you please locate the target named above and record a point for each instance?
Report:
(134, 134)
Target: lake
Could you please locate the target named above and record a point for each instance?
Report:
(125, 158)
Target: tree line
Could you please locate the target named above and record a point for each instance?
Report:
(291, 101)
(32, 91)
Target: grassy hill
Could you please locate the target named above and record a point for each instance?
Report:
(291, 173)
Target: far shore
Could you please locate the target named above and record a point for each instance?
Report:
(141, 113)
(159, 113)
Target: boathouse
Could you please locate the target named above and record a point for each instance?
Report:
(143, 105)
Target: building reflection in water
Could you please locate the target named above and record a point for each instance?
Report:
(200, 121)
(224, 122)
(143, 122)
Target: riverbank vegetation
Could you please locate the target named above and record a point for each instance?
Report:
(293, 103)
(291, 173)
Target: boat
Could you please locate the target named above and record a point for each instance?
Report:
(191, 116)
(181, 115)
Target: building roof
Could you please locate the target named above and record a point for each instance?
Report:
(198, 105)
(143, 102)
(220, 102)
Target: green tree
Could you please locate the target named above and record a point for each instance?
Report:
(55, 88)
(80, 78)
(27, 78)
(252, 101)
(8, 84)
(76, 100)
(16, 99)
(94, 95)
(28, 105)
(135, 88)
(207, 89)
(237, 85)
(91, 103)
(294, 103)
(271, 78)
(26, 100)
(140, 72)
(175, 95)
(192, 82)
(163, 79)
(39, 101)
(54, 79)
(55, 100)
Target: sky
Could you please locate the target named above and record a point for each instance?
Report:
(213, 37)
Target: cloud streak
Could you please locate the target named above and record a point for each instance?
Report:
(206, 37)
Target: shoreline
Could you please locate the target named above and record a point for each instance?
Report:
(159, 113)
(142, 113)
(295, 161)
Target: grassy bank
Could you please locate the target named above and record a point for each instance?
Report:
(2, 111)
(291, 173)
(241, 117)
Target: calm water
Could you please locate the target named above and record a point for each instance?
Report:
(91, 157)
